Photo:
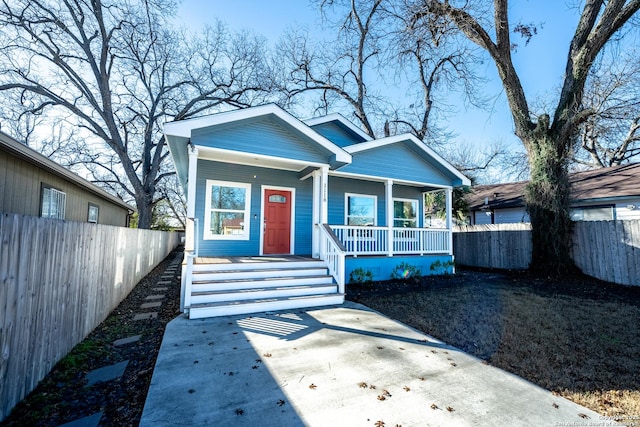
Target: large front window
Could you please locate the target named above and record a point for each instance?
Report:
(405, 213)
(360, 209)
(227, 210)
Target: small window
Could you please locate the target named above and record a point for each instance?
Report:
(360, 209)
(405, 213)
(92, 215)
(277, 198)
(592, 213)
(227, 210)
(53, 203)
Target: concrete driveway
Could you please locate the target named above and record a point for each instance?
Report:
(335, 366)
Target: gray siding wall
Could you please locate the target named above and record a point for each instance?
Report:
(20, 192)
(261, 136)
(263, 176)
(396, 161)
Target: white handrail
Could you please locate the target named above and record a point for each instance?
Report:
(332, 251)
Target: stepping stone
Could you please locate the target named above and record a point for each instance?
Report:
(164, 282)
(151, 304)
(159, 289)
(155, 297)
(146, 316)
(106, 373)
(89, 421)
(128, 340)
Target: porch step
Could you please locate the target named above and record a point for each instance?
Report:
(199, 285)
(258, 273)
(198, 311)
(262, 293)
(257, 264)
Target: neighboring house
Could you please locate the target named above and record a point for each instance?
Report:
(312, 200)
(597, 195)
(31, 184)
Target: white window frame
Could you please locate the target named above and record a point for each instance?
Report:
(57, 196)
(417, 217)
(93, 212)
(207, 235)
(368, 196)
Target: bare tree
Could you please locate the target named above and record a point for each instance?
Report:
(115, 72)
(547, 138)
(610, 135)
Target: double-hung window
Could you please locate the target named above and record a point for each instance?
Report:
(227, 210)
(360, 209)
(53, 203)
(405, 213)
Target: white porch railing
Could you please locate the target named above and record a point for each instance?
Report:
(333, 252)
(365, 240)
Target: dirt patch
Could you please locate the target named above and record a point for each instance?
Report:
(578, 337)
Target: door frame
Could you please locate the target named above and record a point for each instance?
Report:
(292, 190)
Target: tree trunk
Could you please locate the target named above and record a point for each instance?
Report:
(547, 202)
(144, 205)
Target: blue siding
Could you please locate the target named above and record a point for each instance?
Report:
(261, 136)
(337, 134)
(256, 177)
(396, 161)
(381, 267)
(338, 186)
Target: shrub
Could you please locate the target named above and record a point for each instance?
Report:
(406, 271)
(439, 267)
(361, 276)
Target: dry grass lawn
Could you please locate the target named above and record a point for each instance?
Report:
(579, 338)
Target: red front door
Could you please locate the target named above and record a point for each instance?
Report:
(277, 222)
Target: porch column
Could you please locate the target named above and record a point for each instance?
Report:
(449, 211)
(315, 215)
(324, 204)
(389, 200)
(189, 244)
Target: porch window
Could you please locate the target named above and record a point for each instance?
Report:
(360, 209)
(53, 203)
(405, 213)
(227, 210)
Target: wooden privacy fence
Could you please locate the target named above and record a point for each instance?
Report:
(506, 246)
(607, 250)
(58, 281)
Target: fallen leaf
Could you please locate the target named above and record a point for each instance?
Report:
(379, 423)
(433, 351)
(372, 387)
(386, 393)
(555, 406)
(406, 388)
(453, 364)
(434, 406)
(401, 348)
(381, 397)
(421, 378)
(254, 367)
(281, 402)
(380, 348)
(362, 385)
(239, 411)
(267, 355)
(450, 409)
(583, 416)
(313, 386)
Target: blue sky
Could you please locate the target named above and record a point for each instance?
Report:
(540, 64)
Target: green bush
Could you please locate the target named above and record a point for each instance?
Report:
(361, 276)
(406, 271)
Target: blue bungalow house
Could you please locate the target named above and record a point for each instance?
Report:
(281, 211)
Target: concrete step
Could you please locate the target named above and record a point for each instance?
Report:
(261, 294)
(199, 311)
(266, 282)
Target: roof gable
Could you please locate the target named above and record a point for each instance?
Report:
(403, 157)
(338, 130)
